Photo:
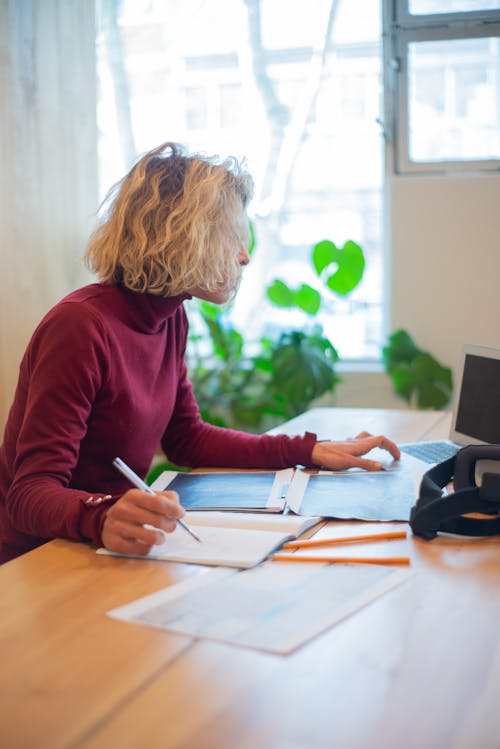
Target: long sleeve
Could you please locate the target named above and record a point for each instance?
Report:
(60, 377)
(188, 441)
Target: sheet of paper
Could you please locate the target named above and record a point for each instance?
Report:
(275, 607)
(358, 495)
(231, 547)
(262, 490)
(280, 522)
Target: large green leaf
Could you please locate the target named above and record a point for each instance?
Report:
(303, 368)
(400, 349)
(349, 261)
(308, 299)
(416, 374)
(280, 294)
(433, 382)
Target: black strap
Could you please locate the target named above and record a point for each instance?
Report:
(435, 512)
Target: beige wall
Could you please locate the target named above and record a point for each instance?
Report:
(446, 261)
(443, 273)
(48, 175)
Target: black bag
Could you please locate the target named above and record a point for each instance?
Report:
(475, 470)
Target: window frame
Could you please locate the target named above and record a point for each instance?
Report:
(401, 28)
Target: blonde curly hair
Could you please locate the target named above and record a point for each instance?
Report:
(174, 222)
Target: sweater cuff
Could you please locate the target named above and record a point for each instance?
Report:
(300, 450)
(92, 515)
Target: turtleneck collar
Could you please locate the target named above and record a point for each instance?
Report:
(148, 312)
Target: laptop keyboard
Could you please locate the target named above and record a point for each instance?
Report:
(431, 452)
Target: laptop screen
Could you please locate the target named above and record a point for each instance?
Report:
(478, 404)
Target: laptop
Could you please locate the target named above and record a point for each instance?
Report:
(476, 411)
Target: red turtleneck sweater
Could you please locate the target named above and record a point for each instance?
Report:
(104, 375)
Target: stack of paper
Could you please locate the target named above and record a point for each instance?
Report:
(228, 539)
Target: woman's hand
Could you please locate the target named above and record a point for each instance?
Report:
(123, 530)
(338, 456)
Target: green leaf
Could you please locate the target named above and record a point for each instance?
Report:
(403, 381)
(401, 348)
(433, 382)
(252, 242)
(308, 299)
(280, 294)
(303, 368)
(416, 374)
(351, 266)
(305, 297)
(324, 253)
(209, 310)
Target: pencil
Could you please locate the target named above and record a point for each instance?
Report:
(312, 543)
(140, 484)
(342, 560)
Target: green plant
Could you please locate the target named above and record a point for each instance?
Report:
(339, 269)
(416, 375)
(254, 385)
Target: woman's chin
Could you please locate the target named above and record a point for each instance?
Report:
(217, 296)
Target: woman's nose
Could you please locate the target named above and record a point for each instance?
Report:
(243, 256)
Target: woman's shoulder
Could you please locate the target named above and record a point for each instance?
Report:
(79, 313)
(88, 303)
(91, 295)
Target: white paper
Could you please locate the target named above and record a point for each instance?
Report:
(275, 607)
(283, 523)
(232, 539)
(231, 547)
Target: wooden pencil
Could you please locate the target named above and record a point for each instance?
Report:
(312, 543)
(340, 560)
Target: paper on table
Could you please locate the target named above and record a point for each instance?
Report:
(273, 607)
(380, 495)
(224, 543)
(283, 523)
(255, 491)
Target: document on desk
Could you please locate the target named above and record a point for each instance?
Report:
(243, 491)
(231, 539)
(273, 607)
(355, 495)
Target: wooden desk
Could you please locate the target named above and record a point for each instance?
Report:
(418, 668)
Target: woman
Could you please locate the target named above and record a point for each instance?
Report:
(104, 374)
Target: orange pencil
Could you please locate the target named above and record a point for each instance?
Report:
(311, 543)
(343, 560)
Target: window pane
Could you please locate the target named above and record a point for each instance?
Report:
(231, 77)
(417, 7)
(453, 99)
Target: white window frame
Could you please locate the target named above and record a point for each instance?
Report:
(401, 28)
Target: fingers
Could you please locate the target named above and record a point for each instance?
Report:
(127, 526)
(386, 444)
(126, 538)
(163, 504)
(342, 455)
(365, 463)
(340, 461)
(365, 442)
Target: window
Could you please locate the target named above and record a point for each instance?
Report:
(445, 63)
(296, 88)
